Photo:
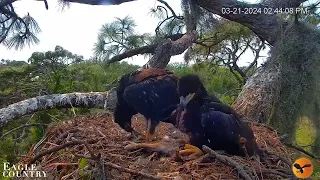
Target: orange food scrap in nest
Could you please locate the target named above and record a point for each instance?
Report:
(152, 72)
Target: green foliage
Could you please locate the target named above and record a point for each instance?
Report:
(311, 17)
(117, 37)
(56, 75)
(83, 162)
(297, 56)
(12, 63)
(15, 84)
(57, 71)
(305, 134)
(220, 37)
(224, 45)
(219, 81)
(169, 22)
(15, 31)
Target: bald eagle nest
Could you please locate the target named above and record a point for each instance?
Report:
(87, 147)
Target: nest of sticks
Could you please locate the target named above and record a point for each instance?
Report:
(93, 147)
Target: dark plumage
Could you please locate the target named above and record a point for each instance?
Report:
(211, 122)
(192, 84)
(150, 92)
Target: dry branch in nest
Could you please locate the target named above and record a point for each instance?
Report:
(71, 141)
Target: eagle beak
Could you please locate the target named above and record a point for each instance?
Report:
(185, 100)
(182, 106)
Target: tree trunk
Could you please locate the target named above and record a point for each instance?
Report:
(259, 94)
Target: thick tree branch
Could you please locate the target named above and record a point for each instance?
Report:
(106, 100)
(144, 49)
(180, 45)
(133, 52)
(264, 25)
(169, 48)
(174, 45)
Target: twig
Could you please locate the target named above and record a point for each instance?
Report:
(280, 157)
(283, 137)
(38, 144)
(72, 108)
(275, 171)
(123, 169)
(163, 21)
(97, 159)
(57, 148)
(260, 124)
(104, 136)
(228, 161)
(28, 156)
(63, 164)
(68, 175)
(102, 167)
(20, 127)
(203, 159)
(170, 8)
(301, 150)
(229, 91)
(131, 171)
(90, 151)
(65, 134)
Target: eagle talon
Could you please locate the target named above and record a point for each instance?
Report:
(190, 151)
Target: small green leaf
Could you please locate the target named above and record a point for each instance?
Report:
(83, 162)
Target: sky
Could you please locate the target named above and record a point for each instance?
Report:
(76, 28)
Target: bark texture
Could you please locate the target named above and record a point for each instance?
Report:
(259, 94)
(101, 100)
(169, 48)
(265, 25)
